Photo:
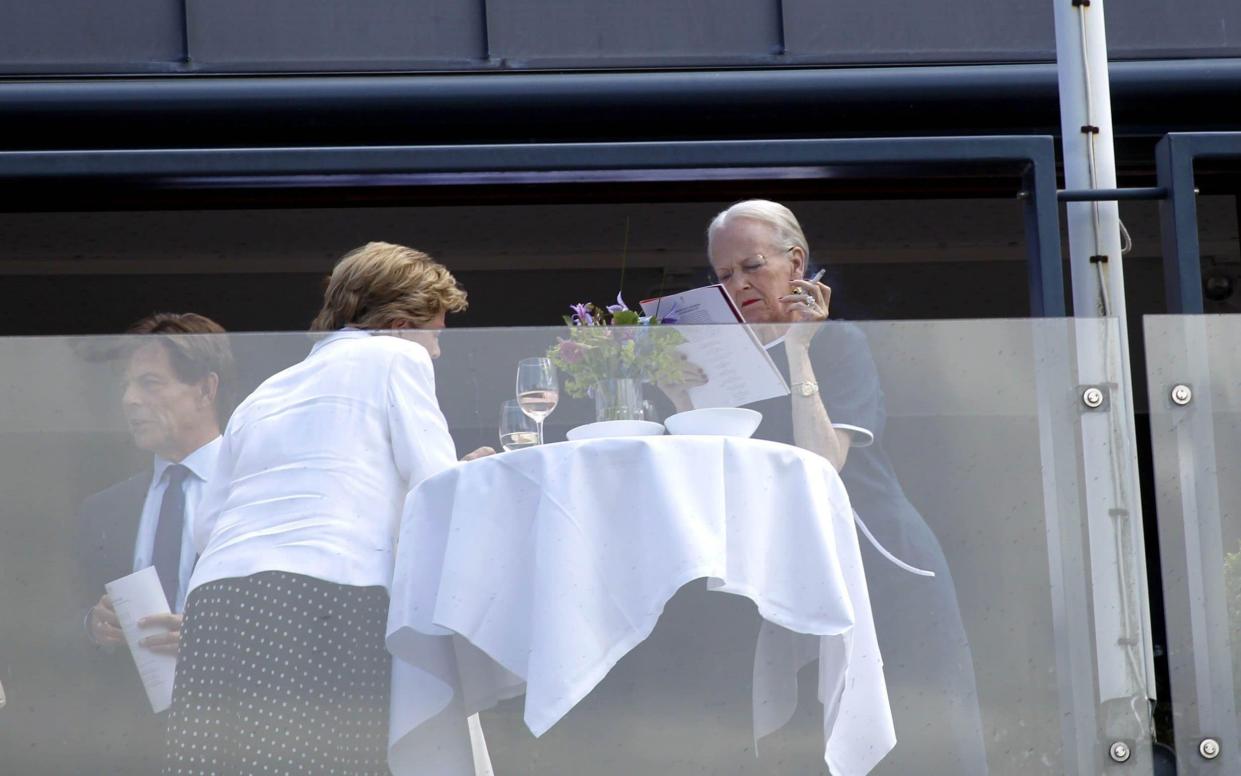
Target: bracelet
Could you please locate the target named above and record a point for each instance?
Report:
(805, 388)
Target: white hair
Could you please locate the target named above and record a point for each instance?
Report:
(788, 233)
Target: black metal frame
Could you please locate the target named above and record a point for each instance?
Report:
(1150, 98)
(1027, 161)
(1175, 159)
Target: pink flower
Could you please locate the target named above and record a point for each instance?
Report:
(572, 352)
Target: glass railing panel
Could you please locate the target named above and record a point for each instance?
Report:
(1193, 373)
(1025, 653)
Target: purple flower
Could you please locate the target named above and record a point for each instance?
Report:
(572, 352)
(619, 306)
(581, 315)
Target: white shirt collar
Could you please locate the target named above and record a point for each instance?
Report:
(201, 462)
(346, 333)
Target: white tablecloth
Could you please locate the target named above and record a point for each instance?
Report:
(536, 571)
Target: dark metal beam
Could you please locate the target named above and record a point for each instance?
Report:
(1042, 223)
(1111, 195)
(952, 156)
(1150, 98)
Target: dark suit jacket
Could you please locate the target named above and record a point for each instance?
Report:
(107, 527)
(129, 737)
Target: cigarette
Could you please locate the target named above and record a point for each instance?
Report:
(817, 277)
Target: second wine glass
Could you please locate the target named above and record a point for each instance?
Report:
(517, 429)
(538, 389)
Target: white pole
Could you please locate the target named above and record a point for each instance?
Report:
(1089, 159)
(1125, 669)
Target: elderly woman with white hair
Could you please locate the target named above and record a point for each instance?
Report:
(759, 253)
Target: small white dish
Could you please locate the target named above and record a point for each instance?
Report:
(860, 437)
(615, 428)
(715, 421)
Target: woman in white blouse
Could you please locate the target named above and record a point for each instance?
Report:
(282, 665)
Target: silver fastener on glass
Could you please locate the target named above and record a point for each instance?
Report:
(1119, 751)
(1209, 748)
(1092, 397)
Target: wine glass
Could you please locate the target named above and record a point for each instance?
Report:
(517, 429)
(538, 389)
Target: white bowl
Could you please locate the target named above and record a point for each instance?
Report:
(715, 421)
(615, 428)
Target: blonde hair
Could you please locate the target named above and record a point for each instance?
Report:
(375, 286)
(787, 230)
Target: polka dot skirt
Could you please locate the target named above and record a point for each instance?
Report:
(281, 674)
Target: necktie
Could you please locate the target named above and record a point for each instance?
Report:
(166, 556)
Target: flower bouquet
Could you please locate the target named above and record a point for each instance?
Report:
(611, 351)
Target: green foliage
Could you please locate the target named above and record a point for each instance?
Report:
(614, 343)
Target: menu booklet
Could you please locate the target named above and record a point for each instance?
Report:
(738, 368)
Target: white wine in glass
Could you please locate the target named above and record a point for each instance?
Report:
(517, 429)
(518, 440)
(538, 390)
(538, 404)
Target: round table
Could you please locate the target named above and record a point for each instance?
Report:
(535, 571)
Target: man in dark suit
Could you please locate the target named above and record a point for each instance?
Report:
(176, 389)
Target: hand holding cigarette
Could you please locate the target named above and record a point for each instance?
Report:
(817, 277)
(807, 304)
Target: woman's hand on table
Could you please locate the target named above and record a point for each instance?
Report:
(809, 307)
(677, 391)
(481, 452)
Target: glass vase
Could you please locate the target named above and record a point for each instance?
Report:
(618, 399)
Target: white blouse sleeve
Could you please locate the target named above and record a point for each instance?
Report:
(421, 444)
